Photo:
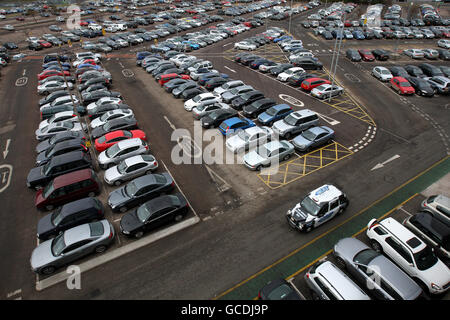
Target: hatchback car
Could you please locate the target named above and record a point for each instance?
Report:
(71, 245)
(353, 55)
(109, 139)
(326, 90)
(312, 138)
(268, 154)
(414, 53)
(249, 138)
(130, 168)
(401, 85)
(311, 83)
(113, 125)
(120, 151)
(382, 73)
(366, 55)
(233, 125)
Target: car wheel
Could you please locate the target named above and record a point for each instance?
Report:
(48, 270)
(123, 209)
(104, 166)
(376, 246)
(91, 194)
(340, 262)
(258, 168)
(117, 183)
(100, 249)
(287, 136)
(178, 218)
(308, 229)
(49, 207)
(139, 234)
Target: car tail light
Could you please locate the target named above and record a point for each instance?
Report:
(155, 163)
(120, 102)
(173, 184)
(374, 224)
(100, 212)
(146, 147)
(41, 115)
(259, 295)
(307, 275)
(110, 235)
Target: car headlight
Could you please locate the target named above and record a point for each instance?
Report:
(125, 232)
(435, 286)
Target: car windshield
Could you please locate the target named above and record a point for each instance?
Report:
(143, 213)
(308, 205)
(243, 135)
(364, 257)
(271, 111)
(58, 245)
(262, 151)
(111, 151)
(122, 167)
(280, 293)
(57, 216)
(425, 259)
(48, 190)
(105, 116)
(196, 98)
(405, 84)
(308, 135)
(385, 72)
(290, 120)
(130, 189)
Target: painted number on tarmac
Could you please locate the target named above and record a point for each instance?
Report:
(291, 100)
(127, 73)
(21, 81)
(5, 176)
(352, 77)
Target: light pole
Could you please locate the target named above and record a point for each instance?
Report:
(341, 36)
(290, 18)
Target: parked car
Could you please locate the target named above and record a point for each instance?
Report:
(439, 206)
(215, 118)
(111, 138)
(113, 125)
(235, 124)
(366, 55)
(120, 151)
(353, 55)
(382, 73)
(439, 83)
(401, 85)
(130, 168)
(313, 137)
(421, 86)
(414, 53)
(249, 138)
(61, 148)
(326, 90)
(268, 154)
(278, 289)
(58, 127)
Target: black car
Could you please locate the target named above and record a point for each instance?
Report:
(70, 215)
(422, 87)
(49, 111)
(98, 111)
(280, 68)
(5, 56)
(58, 165)
(353, 55)
(115, 124)
(296, 80)
(93, 96)
(140, 190)
(239, 56)
(52, 96)
(10, 45)
(307, 63)
(398, 71)
(215, 118)
(172, 84)
(190, 93)
(444, 54)
(246, 98)
(327, 35)
(380, 54)
(92, 81)
(177, 92)
(445, 70)
(430, 70)
(55, 57)
(255, 108)
(249, 59)
(215, 82)
(278, 289)
(153, 214)
(94, 87)
(36, 46)
(414, 71)
(61, 148)
(59, 137)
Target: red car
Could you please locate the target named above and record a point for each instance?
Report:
(347, 23)
(111, 138)
(20, 19)
(167, 77)
(49, 73)
(401, 85)
(89, 61)
(44, 43)
(311, 83)
(83, 23)
(366, 55)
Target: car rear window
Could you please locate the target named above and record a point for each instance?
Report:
(96, 228)
(224, 126)
(175, 201)
(280, 293)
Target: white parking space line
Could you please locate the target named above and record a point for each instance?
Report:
(14, 293)
(229, 69)
(295, 288)
(113, 254)
(409, 214)
(193, 210)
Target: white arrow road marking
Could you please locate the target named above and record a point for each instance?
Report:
(381, 165)
(24, 72)
(170, 123)
(5, 153)
(328, 119)
(229, 69)
(228, 44)
(225, 186)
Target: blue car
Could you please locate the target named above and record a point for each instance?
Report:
(282, 38)
(194, 46)
(63, 64)
(358, 35)
(92, 66)
(142, 54)
(275, 113)
(231, 125)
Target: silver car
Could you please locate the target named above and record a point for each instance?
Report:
(110, 115)
(121, 150)
(64, 116)
(131, 168)
(313, 137)
(228, 86)
(203, 110)
(325, 91)
(438, 206)
(249, 138)
(431, 53)
(227, 96)
(374, 271)
(268, 154)
(71, 245)
(58, 127)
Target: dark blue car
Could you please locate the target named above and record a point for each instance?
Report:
(205, 77)
(274, 113)
(231, 125)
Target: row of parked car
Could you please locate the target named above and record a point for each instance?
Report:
(406, 260)
(384, 55)
(65, 177)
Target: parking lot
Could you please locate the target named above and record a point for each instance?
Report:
(235, 231)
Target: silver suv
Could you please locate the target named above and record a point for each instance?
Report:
(328, 282)
(295, 122)
(438, 206)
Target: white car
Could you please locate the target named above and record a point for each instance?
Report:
(444, 43)
(64, 116)
(325, 91)
(55, 128)
(120, 151)
(201, 100)
(228, 86)
(110, 115)
(102, 101)
(249, 138)
(51, 86)
(291, 43)
(414, 53)
(95, 27)
(122, 43)
(111, 29)
(301, 55)
(284, 76)
(410, 253)
(130, 168)
(61, 101)
(243, 45)
(382, 73)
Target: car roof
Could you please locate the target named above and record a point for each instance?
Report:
(433, 224)
(281, 106)
(233, 120)
(302, 113)
(325, 193)
(129, 143)
(77, 234)
(78, 205)
(402, 233)
(67, 157)
(72, 177)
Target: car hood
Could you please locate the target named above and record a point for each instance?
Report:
(45, 225)
(438, 274)
(42, 146)
(263, 117)
(35, 175)
(235, 142)
(117, 197)
(112, 174)
(41, 158)
(42, 255)
(253, 159)
(130, 221)
(281, 126)
(102, 158)
(301, 141)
